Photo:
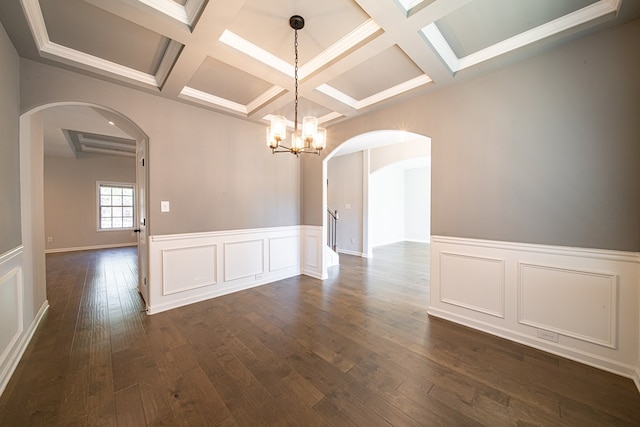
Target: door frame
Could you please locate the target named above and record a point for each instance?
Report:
(142, 197)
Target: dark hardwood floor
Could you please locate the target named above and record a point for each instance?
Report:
(358, 349)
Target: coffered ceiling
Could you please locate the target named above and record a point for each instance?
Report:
(237, 57)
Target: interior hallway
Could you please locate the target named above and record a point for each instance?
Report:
(357, 349)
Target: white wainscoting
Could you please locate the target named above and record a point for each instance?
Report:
(284, 252)
(313, 253)
(187, 268)
(458, 271)
(589, 299)
(244, 259)
(545, 293)
(14, 338)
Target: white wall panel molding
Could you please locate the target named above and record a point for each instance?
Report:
(8, 256)
(243, 259)
(603, 254)
(546, 294)
(313, 253)
(583, 304)
(11, 302)
(284, 252)
(187, 268)
(295, 230)
(472, 282)
(13, 316)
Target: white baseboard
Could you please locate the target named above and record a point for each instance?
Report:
(90, 248)
(21, 347)
(317, 275)
(595, 361)
(418, 240)
(348, 252)
(386, 242)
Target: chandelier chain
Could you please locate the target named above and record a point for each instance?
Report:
(295, 119)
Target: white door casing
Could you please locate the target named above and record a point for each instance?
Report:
(141, 207)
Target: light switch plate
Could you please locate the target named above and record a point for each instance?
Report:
(164, 206)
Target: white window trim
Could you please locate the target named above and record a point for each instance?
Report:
(115, 184)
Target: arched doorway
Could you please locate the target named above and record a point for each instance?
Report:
(90, 119)
(372, 151)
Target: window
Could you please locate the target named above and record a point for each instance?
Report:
(115, 206)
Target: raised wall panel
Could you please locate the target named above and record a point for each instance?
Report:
(472, 282)
(578, 303)
(10, 312)
(284, 252)
(313, 255)
(311, 252)
(188, 268)
(243, 259)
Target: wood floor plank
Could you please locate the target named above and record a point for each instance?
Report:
(244, 410)
(153, 394)
(101, 403)
(129, 408)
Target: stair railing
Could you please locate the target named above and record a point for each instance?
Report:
(332, 220)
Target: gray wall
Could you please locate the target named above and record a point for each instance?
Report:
(345, 194)
(214, 169)
(543, 151)
(10, 233)
(70, 205)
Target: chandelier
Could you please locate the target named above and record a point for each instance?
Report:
(310, 139)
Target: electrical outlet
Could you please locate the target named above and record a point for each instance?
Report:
(548, 335)
(49, 239)
(258, 276)
(353, 240)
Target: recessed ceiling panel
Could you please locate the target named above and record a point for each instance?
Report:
(483, 23)
(266, 24)
(94, 144)
(78, 117)
(224, 81)
(80, 26)
(383, 71)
